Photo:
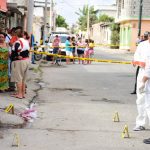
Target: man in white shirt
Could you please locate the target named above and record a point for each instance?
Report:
(142, 59)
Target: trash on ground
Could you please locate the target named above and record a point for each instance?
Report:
(29, 114)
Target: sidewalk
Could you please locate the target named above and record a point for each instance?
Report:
(15, 121)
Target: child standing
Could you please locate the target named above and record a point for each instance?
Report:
(91, 51)
(80, 49)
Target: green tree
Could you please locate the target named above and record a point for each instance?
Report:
(115, 36)
(61, 22)
(105, 18)
(83, 13)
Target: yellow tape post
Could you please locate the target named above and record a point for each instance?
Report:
(116, 117)
(16, 141)
(79, 58)
(125, 133)
(10, 108)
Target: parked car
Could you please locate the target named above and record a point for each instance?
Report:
(63, 38)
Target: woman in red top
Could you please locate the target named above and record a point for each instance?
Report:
(14, 38)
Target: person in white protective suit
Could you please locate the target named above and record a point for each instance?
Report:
(142, 59)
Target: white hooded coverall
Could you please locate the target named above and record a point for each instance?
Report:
(142, 59)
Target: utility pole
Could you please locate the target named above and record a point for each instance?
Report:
(52, 16)
(140, 17)
(45, 22)
(30, 16)
(88, 19)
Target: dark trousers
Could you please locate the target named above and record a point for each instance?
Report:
(137, 72)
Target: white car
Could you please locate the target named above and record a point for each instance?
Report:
(63, 38)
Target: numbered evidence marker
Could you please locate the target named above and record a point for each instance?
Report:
(125, 133)
(116, 117)
(15, 142)
(10, 108)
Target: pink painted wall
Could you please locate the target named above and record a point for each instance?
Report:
(144, 27)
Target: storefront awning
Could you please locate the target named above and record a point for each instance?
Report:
(3, 5)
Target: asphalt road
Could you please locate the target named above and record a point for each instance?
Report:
(106, 53)
(76, 105)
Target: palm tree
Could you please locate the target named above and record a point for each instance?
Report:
(83, 13)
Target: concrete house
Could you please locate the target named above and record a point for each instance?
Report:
(3, 10)
(101, 32)
(127, 17)
(38, 21)
(17, 13)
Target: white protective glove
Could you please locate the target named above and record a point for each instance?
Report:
(142, 87)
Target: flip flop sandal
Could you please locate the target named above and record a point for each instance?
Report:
(18, 97)
(13, 95)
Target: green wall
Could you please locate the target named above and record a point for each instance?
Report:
(125, 36)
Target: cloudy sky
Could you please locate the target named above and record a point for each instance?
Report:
(67, 8)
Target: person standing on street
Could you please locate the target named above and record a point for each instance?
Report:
(73, 42)
(20, 64)
(56, 48)
(32, 42)
(13, 39)
(80, 49)
(138, 67)
(68, 50)
(145, 87)
(90, 51)
(3, 63)
(142, 58)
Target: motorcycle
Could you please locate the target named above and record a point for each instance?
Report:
(37, 56)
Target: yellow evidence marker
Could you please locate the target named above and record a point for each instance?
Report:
(116, 117)
(10, 108)
(15, 142)
(125, 133)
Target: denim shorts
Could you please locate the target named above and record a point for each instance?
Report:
(55, 50)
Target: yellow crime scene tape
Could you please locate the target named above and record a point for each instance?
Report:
(79, 58)
(95, 45)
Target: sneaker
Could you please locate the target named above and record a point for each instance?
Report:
(146, 141)
(139, 128)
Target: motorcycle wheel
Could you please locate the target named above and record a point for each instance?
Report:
(37, 57)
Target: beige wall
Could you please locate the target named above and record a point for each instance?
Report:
(101, 33)
(95, 33)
